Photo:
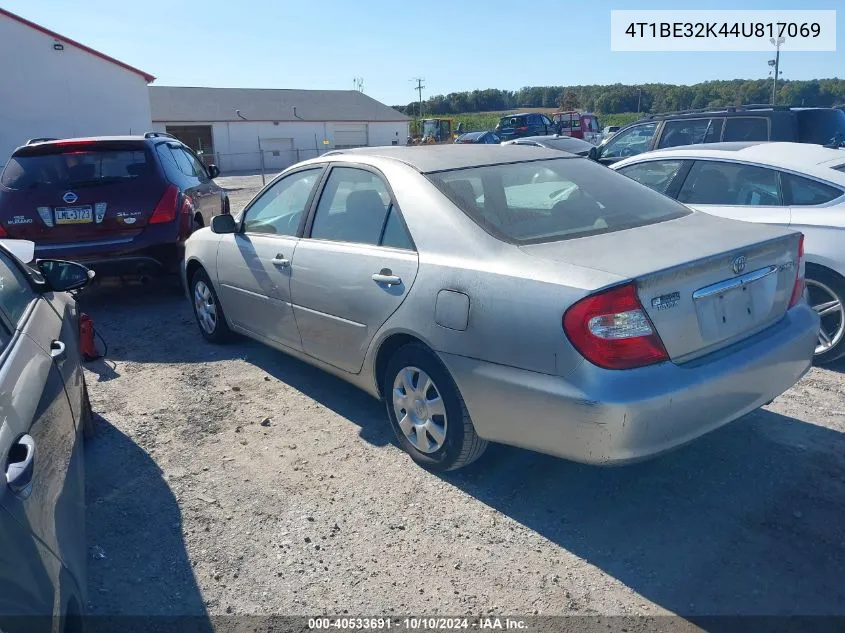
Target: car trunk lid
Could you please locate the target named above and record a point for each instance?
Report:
(78, 191)
(704, 282)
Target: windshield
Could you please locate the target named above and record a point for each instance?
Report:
(821, 126)
(549, 200)
(73, 169)
(511, 121)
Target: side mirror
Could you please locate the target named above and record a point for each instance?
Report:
(62, 276)
(213, 171)
(594, 153)
(223, 224)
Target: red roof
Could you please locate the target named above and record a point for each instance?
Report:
(149, 78)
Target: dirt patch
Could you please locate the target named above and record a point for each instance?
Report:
(317, 510)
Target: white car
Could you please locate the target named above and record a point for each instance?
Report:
(798, 185)
(609, 131)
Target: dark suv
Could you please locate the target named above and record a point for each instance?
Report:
(123, 205)
(740, 123)
(524, 124)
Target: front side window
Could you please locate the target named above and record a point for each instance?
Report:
(690, 132)
(353, 207)
(550, 200)
(15, 292)
(805, 192)
(197, 167)
(730, 184)
(630, 142)
(654, 174)
(279, 209)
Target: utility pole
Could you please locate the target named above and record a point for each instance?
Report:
(358, 84)
(639, 99)
(419, 89)
(776, 43)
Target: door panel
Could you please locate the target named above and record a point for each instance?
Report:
(337, 304)
(34, 404)
(29, 577)
(255, 285)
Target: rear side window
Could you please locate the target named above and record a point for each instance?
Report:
(730, 184)
(800, 191)
(654, 174)
(75, 168)
(352, 208)
(746, 129)
(550, 200)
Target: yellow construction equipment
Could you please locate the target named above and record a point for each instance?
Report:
(434, 131)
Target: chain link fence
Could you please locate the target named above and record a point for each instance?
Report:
(265, 162)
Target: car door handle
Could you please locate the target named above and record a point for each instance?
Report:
(21, 466)
(58, 350)
(280, 261)
(388, 280)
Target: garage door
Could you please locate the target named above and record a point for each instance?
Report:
(278, 153)
(350, 134)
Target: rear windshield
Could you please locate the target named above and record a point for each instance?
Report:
(569, 144)
(550, 200)
(511, 121)
(820, 126)
(74, 169)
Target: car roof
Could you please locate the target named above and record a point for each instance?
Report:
(433, 158)
(803, 157)
(82, 140)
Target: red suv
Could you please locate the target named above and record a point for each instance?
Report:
(123, 205)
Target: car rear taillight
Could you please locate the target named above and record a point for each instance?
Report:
(799, 285)
(612, 330)
(524, 128)
(3, 232)
(166, 208)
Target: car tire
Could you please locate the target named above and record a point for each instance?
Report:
(437, 433)
(196, 225)
(826, 292)
(89, 428)
(208, 310)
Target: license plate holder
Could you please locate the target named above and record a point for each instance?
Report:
(74, 215)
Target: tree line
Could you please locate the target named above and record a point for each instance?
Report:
(646, 98)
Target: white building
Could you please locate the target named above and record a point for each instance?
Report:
(54, 87)
(234, 127)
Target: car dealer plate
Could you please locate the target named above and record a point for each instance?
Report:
(74, 215)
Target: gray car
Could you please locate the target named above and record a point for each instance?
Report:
(45, 412)
(529, 297)
(569, 144)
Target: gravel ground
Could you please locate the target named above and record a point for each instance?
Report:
(255, 484)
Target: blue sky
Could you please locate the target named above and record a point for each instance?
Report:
(458, 45)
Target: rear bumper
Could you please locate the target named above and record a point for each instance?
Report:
(608, 417)
(109, 261)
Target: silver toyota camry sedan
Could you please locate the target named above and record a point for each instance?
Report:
(531, 298)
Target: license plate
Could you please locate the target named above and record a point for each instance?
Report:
(74, 215)
(727, 313)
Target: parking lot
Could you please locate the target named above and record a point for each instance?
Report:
(255, 484)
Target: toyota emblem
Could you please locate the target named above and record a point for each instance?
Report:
(70, 197)
(738, 264)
